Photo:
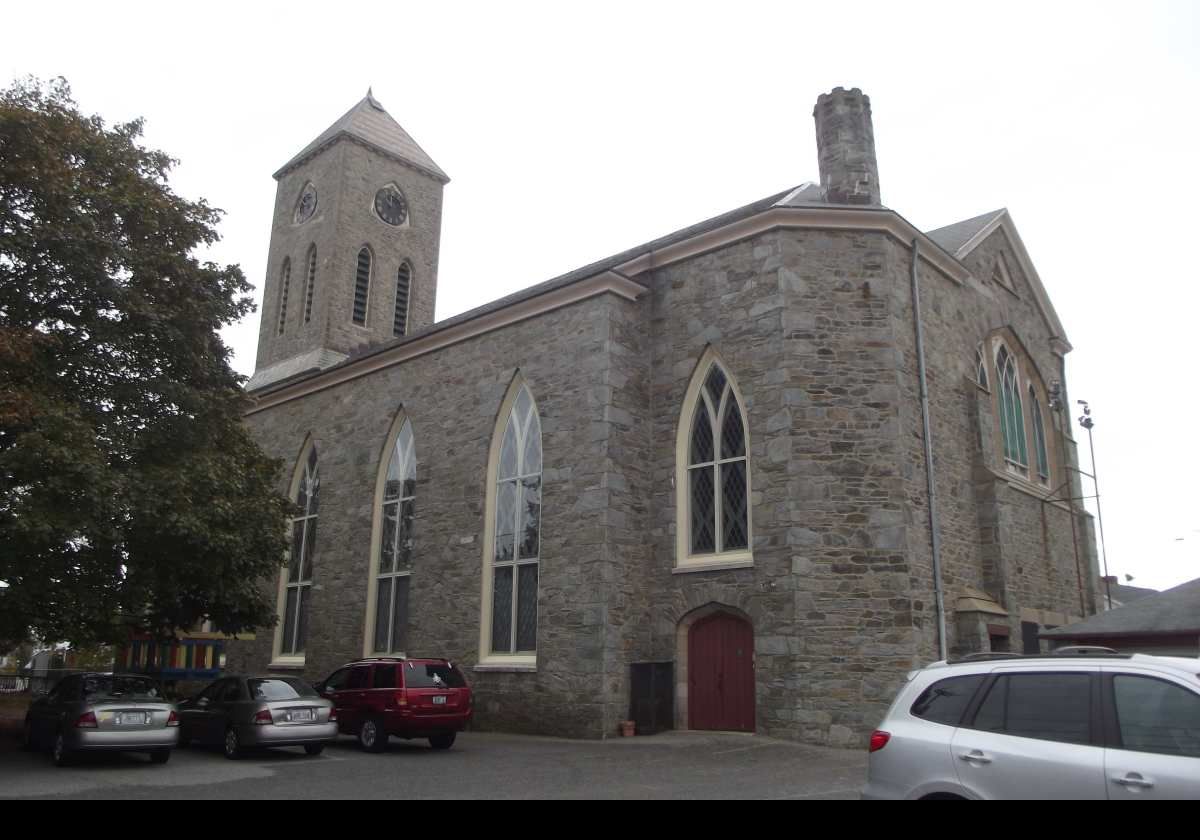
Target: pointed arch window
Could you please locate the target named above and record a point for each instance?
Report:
(298, 578)
(403, 286)
(285, 279)
(515, 544)
(1039, 436)
(362, 286)
(1012, 417)
(714, 484)
(981, 374)
(394, 562)
(310, 282)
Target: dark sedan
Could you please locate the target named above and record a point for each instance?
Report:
(243, 712)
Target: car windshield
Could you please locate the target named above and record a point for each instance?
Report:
(104, 685)
(280, 689)
(433, 675)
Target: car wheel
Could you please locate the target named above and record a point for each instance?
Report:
(233, 744)
(61, 754)
(371, 736)
(443, 742)
(314, 749)
(160, 756)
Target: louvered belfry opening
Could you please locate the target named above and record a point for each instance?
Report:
(403, 282)
(362, 286)
(311, 284)
(285, 279)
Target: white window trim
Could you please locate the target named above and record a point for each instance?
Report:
(279, 659)
(488, 659)
(373, 576)
(684, 560)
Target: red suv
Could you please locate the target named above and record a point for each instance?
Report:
(408, 698)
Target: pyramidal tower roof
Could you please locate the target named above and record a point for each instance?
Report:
(368, 123)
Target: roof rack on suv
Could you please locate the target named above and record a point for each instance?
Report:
(1084, 650)
(378, 659)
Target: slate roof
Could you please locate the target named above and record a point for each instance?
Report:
(953, 237)
(369, 123)
(1174, 612)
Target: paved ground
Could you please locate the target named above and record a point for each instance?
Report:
(480, 766)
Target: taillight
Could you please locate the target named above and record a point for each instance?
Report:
(401, 698)
(87, 721)
(879, 740)
(332, 715)
(263, 718)
(173, 719)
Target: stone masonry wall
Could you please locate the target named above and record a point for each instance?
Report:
(801, 320)
(452, 399)
(997, 535)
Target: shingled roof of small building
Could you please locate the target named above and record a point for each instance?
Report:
(1176, 611)
(368, 123)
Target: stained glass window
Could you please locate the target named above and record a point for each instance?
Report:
(717, 486)
(517, 536)
(394, 567)
(1039, 436)
(300, 559)
(1012, 416)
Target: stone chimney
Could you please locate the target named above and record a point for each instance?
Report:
(846, 147)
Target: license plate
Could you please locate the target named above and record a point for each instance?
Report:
(300, 716)
(439, 700)
(132, 718)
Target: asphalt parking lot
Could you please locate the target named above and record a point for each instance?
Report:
(677, 765)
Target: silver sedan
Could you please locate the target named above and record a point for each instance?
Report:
(123, 712)
(270, 711)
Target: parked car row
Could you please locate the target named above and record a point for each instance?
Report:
(371, 699)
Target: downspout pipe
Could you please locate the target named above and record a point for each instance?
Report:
(935, 528)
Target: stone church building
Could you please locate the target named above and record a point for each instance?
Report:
(742, 477)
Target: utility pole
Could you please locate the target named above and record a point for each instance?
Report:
(1087, 422)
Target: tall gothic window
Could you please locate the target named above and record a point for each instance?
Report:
(298, 586)
(516, 545)
(1012, 417)
(362, 285)
(396, 546)
(981, 375)
(714, 490)
(285, 279)
(310, 283)
(1039, 436)
(403, 284)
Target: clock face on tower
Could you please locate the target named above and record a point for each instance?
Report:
(390, 205)
(307, 204)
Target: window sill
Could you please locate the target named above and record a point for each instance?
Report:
(289, 663)
(741, 560)
(507, 665)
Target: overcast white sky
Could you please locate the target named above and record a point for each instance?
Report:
(574, 131)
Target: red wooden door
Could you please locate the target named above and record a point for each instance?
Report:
(721, 674)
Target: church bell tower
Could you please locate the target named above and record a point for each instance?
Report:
(354, 246)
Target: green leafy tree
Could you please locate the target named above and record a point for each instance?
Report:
(130, 492)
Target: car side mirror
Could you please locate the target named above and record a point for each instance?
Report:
(319, 687)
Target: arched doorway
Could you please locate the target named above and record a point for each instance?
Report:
(720, 673)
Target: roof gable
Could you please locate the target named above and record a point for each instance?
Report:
(368, 123)
(961, 238)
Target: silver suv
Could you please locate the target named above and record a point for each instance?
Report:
(1082, 725)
